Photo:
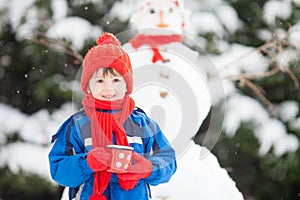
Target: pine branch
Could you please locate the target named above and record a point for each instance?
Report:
(272, 50)
(60, 45)
(245, 82)
(293, 77)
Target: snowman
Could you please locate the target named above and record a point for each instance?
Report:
(170, 84)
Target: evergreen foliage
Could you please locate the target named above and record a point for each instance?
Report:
(25, 186)
(258, 176)
(32, 75)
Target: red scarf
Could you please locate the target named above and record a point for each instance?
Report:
(102, 126)
(154, 41)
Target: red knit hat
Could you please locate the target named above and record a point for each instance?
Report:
(107, 53)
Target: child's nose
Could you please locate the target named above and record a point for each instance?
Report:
(109, 86)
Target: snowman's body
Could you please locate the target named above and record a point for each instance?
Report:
(181, 87)
(156, 21)
(199, 173)
(175, 92)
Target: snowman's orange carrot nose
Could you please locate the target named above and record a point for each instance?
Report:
(161, 20)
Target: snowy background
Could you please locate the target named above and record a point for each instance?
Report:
(204, 174)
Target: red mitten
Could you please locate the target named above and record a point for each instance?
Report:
(140, 168)
(97, 197)
(98, 159)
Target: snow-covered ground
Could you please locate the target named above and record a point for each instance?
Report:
(198, 169)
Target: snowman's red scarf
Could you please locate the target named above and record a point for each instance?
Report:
(102, 126)
(154, 41)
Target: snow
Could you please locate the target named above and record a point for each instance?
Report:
(297, 2)
(60, 8)
(35, 131)
(206, 22)
(276, 9)
(295, 123)
(28, 157)
(26, 29)
(270, 132)
(199, 172)
(285, 58)
(294, 37)
(242, 109)
(126, 13)
(16, 10)
(10, 120)
(204, 4)
(273, 133)
(214, 17)
(35, 128)
(288, 110)
(228, 16)
(238, 59)
(198, 164)
(74, 29)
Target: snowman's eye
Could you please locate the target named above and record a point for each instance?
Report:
(152, 11)
(171, 10)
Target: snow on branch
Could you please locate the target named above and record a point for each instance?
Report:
(278, 55)
(60, 45)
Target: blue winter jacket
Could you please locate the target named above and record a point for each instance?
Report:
(68, 165)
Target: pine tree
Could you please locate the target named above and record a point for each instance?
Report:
(267, 176)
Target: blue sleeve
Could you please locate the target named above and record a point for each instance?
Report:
(67, 159)
(162, 157)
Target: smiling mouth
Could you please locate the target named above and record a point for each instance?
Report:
(108, 96)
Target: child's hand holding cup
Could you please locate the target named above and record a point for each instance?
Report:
(120, 158)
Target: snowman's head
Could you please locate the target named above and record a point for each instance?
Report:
(161, 14)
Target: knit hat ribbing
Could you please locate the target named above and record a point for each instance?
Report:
(107, 53)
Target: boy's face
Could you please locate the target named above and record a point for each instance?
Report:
(109, 88)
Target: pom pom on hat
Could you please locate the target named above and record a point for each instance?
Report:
(108, 38)
(107, 53)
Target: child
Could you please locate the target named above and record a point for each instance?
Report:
(80, 159)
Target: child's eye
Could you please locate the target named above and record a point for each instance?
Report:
(100, 81)
(116, 80)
